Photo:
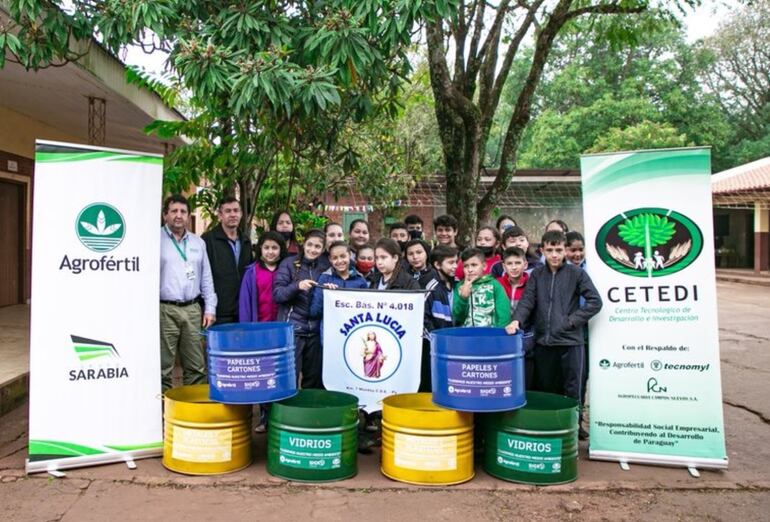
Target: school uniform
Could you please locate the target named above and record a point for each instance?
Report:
(294, 307)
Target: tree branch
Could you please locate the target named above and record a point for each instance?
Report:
(441, 81)
(521, 113)
(473, 58)
(605, 9)
(496, 90)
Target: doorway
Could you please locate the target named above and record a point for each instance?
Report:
(11, 252)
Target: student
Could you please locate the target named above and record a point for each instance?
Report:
(296, 277)
(488, 241)
(283, 224)
(514, 281)
(333, 233)
(504, 222)
(576, 249)
(390, 275)
(552, 298)
(256, 297)
(358, 233)
(554, 224)
(576, 256)
(417, 253)
(557, 224)
(516, 237)
(479, 300)
(414, 226)
(338, 275)
(438, 304)
(399, 234)
(365, 260)
(445, 231)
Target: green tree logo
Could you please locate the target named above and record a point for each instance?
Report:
(649, 242)
(647, 231)
(100, 227)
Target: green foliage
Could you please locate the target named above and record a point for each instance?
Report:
(644, 135)
(602, 90)
(557, 139)
(275, 91)
(646, 230)
(736, 68)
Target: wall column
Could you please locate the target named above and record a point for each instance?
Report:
(761, 237)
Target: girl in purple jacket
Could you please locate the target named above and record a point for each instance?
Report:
(256, 297)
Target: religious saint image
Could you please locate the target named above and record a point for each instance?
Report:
(373, 356)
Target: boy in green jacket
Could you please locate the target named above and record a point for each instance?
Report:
(479, 300)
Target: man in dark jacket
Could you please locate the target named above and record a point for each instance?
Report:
(553, 294)
(229, 253)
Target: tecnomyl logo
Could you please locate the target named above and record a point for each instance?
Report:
(649, 242)
(100, 227)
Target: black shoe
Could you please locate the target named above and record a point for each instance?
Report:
(365, 443)
(582, 434)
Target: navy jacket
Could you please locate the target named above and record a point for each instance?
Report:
(438, 305)
(554, 299)
(354, 280)
(293, 303)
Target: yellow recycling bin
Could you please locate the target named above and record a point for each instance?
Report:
(425, 444)
(201, 437)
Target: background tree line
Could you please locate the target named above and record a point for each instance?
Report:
(288, 101)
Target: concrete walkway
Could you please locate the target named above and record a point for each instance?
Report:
(745, 276)
(14, 356)
(14, 342)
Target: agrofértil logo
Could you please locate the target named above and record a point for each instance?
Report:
(100, 227)
(649, 242)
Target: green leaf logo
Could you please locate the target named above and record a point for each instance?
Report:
(646, 229)
(100, 227)
(649, 242)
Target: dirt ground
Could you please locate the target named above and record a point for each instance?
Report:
(602, 492)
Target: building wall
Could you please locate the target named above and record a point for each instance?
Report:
(17, 144)
(23, 175)
(26, 130)
(532, 220)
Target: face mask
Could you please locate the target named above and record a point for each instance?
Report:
(402, 245)
(415, 234)
(488, 250)
(286, 235)
(364, 266)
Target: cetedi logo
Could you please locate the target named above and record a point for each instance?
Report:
(90, 349)
(649, 242)
(100, 227)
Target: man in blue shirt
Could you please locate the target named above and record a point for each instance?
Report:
(185, 281)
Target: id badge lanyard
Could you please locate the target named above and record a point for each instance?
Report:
(182, 253)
